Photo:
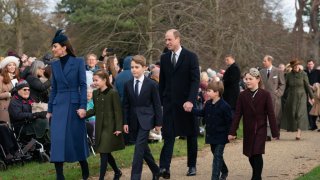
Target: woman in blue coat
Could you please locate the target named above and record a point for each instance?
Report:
(67, 107)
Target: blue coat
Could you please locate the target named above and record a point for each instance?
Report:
(68, 94)
(218, 120)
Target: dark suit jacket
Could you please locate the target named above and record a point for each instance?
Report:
(144, 109)
(254, 112)
(177, 85)
(231, 80)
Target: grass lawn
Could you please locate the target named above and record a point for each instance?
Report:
(34, 170)
(313, 174)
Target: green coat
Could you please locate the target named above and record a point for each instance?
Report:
(295, 115)
(108, 112)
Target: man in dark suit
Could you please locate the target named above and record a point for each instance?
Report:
(314, 77)
(142, 112)
(179, 84)
(231, 79)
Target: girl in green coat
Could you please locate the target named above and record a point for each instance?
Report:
(107, 109)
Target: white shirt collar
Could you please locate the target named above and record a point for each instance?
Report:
(140, 79)
(178, 51)
(270, 68)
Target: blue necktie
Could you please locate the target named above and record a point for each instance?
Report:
(136, 88)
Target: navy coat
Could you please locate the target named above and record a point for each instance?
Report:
(68, 94)
(178, 85)
(218, 118)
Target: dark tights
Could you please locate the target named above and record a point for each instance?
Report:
(256, 162)
(84, 169)
(106, 158)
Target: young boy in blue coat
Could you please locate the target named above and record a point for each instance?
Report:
(217, 116)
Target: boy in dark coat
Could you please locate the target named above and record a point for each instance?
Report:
(217, 116)
(142, 110)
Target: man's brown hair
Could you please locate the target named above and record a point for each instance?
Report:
(216, 86)
(139, 59)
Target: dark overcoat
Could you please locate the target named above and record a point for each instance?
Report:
(231, 80)
(178, 85)
(107, 109)
(68, 94)
(254, 110)
(217, 118)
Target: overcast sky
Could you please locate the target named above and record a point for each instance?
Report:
(288, 11)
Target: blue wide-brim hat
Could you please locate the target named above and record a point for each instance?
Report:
(59, 37)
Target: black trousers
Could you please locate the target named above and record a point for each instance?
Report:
(256, 162)
(106, 158)
(142, 152)
(167, 151)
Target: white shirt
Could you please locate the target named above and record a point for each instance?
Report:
(177, 53)
(140, 83)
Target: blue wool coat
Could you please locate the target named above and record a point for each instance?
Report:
(68, 94)
(218, 118)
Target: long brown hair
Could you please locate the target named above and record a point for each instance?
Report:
(5, 74)
(69, 49)
(110, 66)
(103, 75)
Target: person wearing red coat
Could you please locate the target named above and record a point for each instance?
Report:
(255, 106)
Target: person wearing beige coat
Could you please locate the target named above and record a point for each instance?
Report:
(9, 75)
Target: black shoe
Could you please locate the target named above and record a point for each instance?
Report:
(223, 176)
(164, 173)
(117, 175)
(155, 176)
(192, 171)
(312, 129)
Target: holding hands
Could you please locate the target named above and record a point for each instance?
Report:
(230, 137)
(81, 113)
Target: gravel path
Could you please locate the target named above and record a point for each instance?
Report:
(284, 159)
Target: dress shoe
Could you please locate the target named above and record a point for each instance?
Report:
(164, 173)
(223, 176)
(313, 128)
(155, 176)
(117, 175)
(298, 138)
(192, 171)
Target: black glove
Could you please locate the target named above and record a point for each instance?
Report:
(41, 115)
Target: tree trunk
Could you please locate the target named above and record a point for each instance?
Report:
(150, 32)
(314, 30)
(18, 25)
(298, 28)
